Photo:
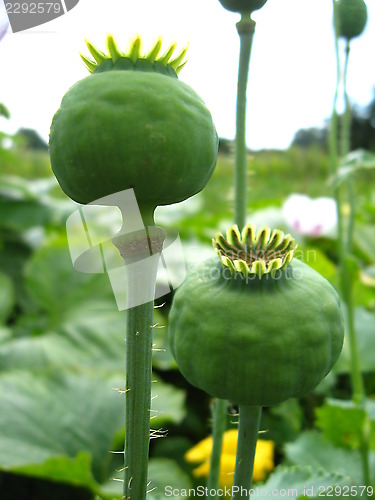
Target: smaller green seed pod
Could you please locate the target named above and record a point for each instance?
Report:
(257, 327)
(242, 5)
(351, 18)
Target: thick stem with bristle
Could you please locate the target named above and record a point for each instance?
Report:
(219, 427)
(248, 430)
(141, 257)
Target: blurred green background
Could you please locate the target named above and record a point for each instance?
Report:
(62, 337)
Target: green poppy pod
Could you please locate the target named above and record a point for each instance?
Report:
(351, 17)
(242, 5)
(257, 327)
(133, 124)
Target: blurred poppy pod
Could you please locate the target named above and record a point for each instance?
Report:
(242, 5)
(351, 18)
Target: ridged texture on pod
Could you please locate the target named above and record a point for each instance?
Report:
(351, 17)
(131, 129)
(255, 341)
(242, 5)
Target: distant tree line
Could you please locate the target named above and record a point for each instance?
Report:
(31, 139)
(362, 131)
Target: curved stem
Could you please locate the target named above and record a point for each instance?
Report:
(141, 253)
(219, 427)
(245, 28)
(248, 430)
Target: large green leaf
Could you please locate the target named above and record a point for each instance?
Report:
(364, 241)
(365, 334)
(165, 476)
(63, 469)
(25, 204)
(353, 163)
(13, 256)
(297, 481)
(168, 404)
(6, 297)
(343, 423)
(313, 450)
(51, 414)
(89, 339)
(162, 357)
(56, 287)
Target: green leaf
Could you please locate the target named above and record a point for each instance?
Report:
(364, 288)
(168, 404)
(19, 215)
(311, 449)
(75, 471)
(364, 241)
(163, 473)
(354, 162)
(297, 481)
(50, 414)
(7, 297)
(91, 339)
(342, 422)
(318, 260)
(162, 358)
(4, 111)
(283, 421)
(13, 256)
(55, 286)
(364, 327)
(368, 276)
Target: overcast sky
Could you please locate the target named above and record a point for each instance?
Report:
(292, 73)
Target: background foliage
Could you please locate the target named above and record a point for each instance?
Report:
(62, 337)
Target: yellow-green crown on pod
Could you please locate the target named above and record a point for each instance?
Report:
(254, 252)
(134, 58)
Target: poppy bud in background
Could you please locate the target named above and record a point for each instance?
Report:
(242, 5)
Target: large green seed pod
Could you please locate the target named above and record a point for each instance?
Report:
(133, 124)
(255, 328)
(351, 17)
(242, 5)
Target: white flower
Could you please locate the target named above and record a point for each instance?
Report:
(310, 217)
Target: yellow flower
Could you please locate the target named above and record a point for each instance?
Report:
(201, 452)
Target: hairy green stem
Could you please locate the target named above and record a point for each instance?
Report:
(141, 253)
(245, 28)
(138, 399)
(219, 427)
(248, 430)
